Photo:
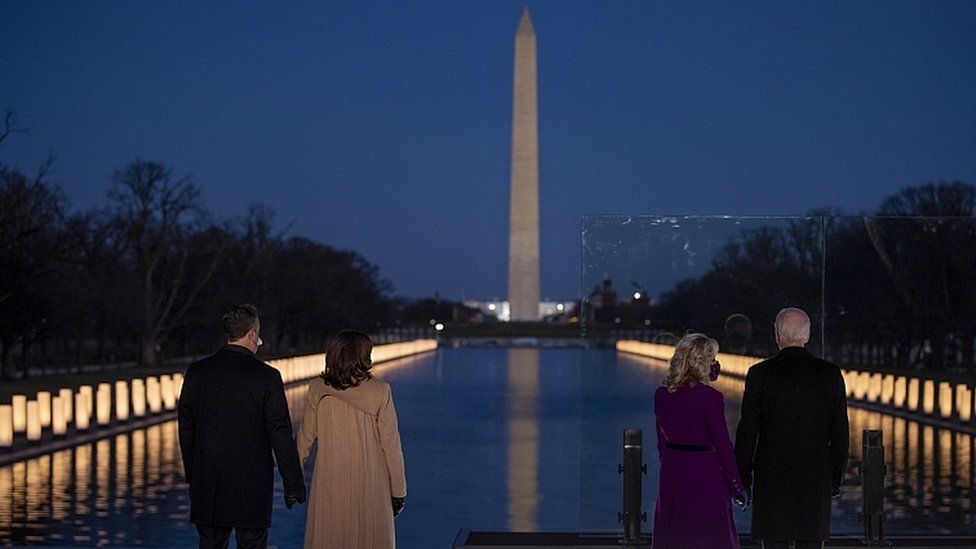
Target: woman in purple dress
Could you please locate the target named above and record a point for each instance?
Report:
(699, 476)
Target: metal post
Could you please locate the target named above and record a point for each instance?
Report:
(633, 470)
(873, 471)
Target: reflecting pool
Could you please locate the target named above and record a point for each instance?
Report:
(494, 439)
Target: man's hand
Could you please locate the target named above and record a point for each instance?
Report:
(398, 504)
(291, 498)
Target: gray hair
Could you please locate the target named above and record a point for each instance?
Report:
(793, 326)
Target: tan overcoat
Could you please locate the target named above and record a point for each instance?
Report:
(358, 465)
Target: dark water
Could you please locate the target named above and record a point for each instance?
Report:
(494, 439)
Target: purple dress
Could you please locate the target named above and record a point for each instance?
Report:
(699, 475)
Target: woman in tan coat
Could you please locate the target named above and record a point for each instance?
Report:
(358, 484)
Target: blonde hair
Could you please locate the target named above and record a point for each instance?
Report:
(692, 360)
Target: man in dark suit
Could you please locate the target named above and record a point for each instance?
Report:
(792, 441)
(234, 427)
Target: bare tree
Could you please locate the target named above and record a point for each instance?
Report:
(158, 218)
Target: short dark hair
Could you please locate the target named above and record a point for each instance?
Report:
(347, 359)
(239, 321)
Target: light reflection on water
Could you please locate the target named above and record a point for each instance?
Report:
(492, 440)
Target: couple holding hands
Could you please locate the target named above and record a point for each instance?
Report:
(790, 448)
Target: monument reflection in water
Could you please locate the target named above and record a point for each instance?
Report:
(492, 439)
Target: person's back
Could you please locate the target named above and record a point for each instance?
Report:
(234, 427)
(358, 483)
(792, 442)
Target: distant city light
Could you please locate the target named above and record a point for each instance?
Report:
(432, 322)
(491, 306)
(616, 320)
(438, 326)
(647, 322)
(559, 306)
(637, 295)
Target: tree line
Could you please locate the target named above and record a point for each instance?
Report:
(892, 290)
(146, 277)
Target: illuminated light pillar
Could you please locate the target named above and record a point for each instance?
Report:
(178, 385)
(901, 390)
(874, 387)
(67, 395)
(59, 423)
(138, 397)
(44, 407)
(88, 392)
(523, 243)
(153, 397)
(168, 392)
(103, 404)
(122, 400)
(945, 399)
(913, 394)
(964, 402)
(82, 407)
(33, 421)
(19, 403)
(6, 426)
(848, 382)
(887, 389)
(928, 397)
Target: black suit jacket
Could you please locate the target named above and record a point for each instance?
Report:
(234, 426)
(791, 444)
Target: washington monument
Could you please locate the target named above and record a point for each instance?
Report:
(523, 239)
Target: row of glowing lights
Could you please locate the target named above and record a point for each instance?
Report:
(141, 397)
(912, 394)
(151, 395)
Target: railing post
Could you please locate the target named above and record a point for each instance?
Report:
(873, 471)
(633, 470)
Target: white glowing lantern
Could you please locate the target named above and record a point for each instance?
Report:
(887, 389)
(153, 395)
(82, 407)
(103, 404)
(168, 392)
(913, 394)
(122, 400)
(19, 403)
(964, 402)
(6, 426)
(178, 385)
(67, 395)
(89, 394)
(138, 397)
(901, 391)
(44, 408)
(945, 399)
(928, 396)
(59, 423)
(33, 421)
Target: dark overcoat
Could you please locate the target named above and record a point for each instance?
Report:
(234, 426)
(791, 444)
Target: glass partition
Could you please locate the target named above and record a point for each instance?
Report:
(892, 302)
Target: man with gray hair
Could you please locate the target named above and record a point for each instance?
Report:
(792, 441)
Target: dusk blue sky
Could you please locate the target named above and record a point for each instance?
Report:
(384, 127)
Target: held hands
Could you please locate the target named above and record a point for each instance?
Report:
(835, 493)
(741, 500)
(291, 498)
(398, 504)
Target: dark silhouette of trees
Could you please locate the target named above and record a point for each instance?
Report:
(895, 290)
(147, 277)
